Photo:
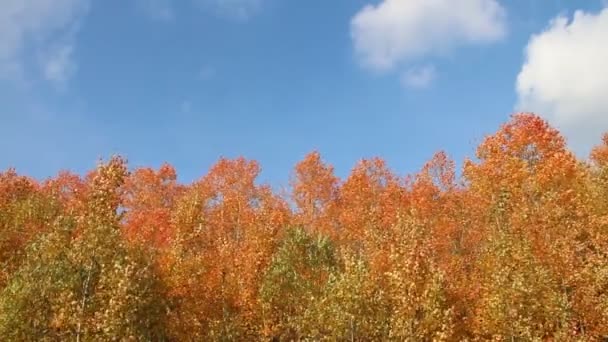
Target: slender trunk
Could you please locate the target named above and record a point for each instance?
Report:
(83, 302)
(352, 330)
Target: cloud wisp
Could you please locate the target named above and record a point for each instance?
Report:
(43, 28)
(419, 77)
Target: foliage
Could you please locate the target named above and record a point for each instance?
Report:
(513, 249)
(80, 282)
(294, 281)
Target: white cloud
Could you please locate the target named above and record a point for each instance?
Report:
(38, 26)
(396, 31)
(160, 10)
(419, 77)
(236, 9)
(565, 77)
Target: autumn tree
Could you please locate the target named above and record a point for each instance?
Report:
(149, 200)
(417, 287)
(80, 281)
(370, 201)
(520, 299)
(294, 283)
(514, 249)
(591, 295)
(26, 212)
(353, 305)
(444, 207)
(315, 194)
(527, 162)
(228, 229)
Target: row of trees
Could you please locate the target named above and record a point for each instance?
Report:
(514, 249)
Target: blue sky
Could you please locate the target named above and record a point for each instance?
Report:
(189, 81)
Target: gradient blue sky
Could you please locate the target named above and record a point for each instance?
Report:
(189, 81)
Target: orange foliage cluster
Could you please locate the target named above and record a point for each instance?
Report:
(515, 249)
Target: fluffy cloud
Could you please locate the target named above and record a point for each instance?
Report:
(565, 77)
(38, 26)
(419, 77)
(395, 31)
